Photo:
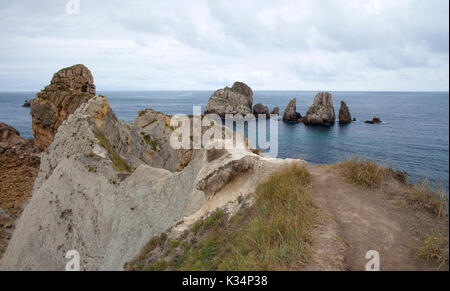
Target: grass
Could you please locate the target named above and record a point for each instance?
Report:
(434, 248)
(423, 196)
(362, 172)
(149, 140)
(275, 233)
(370, 174)
(116, 159)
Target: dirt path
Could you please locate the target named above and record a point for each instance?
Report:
(369, 220)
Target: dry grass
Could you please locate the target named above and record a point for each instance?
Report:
(363, 172)
(275, 233)
(370, 174)
(423, 196)
(435, 248)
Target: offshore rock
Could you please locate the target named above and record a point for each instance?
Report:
(291, 114)
(234, 100)
(321, 111)
(344, 114)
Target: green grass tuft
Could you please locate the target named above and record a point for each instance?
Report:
(149, 140)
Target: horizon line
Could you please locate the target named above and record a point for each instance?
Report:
(254, 90)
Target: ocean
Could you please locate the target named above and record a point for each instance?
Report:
(414, 135)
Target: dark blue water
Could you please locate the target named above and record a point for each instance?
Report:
(414, 135)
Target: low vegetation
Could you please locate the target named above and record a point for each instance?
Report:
(116, 159)
(148, 140)
(423, 196)
(435, 248)
(370, 174)
(275, 233)
(362, 172)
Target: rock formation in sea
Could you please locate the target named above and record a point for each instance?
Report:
(260, 109)
(373, 121)
(237, 99)
(290, 113)
(321, 111)
(27, 103)
(106, 186)
(276, 111)
(69, 88)
(344, 114)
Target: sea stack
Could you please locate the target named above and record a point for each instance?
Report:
(321, 111)
(275, 111)
(69, 88)
(291, 114)
(373, 121)
(234, 100)
(27, 103)
(260, 109)
(344, 114)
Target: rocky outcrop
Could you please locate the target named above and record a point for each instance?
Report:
(69, 88)
(19, 165)
(155, 128)
(106, 187)
(321, 111)
(276, 111)
(344, 114)
(7, 132)
(234, 100)
(260, 109)
(290, 113)
(373, 121)
(11, 142)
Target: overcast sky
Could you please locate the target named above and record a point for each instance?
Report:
(205, 45)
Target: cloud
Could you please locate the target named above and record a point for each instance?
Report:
(201, 44)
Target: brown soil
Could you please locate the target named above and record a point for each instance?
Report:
(359, 220)
(17, 175)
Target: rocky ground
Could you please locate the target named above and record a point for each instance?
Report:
(19, 166)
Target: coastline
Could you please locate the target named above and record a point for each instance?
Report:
(110, 190)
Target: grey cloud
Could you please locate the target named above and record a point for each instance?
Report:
(288, 44)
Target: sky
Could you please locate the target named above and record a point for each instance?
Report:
(336, 45)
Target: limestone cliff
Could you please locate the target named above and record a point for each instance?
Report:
(106, 186)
